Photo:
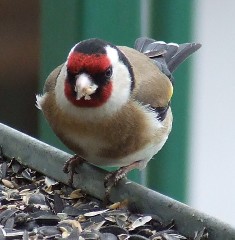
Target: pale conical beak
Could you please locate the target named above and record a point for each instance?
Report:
(84, 87)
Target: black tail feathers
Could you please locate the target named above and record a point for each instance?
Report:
(167, 56)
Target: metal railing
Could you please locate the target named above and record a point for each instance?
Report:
(49, 161)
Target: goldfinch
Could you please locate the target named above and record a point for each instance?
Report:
(111, 104)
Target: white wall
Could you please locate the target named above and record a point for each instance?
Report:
(212, 154)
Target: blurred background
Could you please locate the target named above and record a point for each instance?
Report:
(197, 165)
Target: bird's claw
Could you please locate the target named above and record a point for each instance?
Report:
(114, 177)
(70, 167)
(111, 180)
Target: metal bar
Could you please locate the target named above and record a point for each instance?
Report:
(49, 161)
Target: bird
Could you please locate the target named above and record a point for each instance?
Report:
(111, 105)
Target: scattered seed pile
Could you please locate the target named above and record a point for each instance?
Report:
(34, 206)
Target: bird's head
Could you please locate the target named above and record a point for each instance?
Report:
(97, 73)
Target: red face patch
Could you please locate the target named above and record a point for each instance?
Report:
(93, 63)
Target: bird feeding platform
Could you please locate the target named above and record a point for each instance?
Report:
(90, 179)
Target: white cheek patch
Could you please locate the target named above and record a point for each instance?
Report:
(121, 81)
(112, 54)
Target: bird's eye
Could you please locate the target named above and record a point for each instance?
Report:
(108, 73)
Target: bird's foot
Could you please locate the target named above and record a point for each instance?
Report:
(70, 166)
(112, 178)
